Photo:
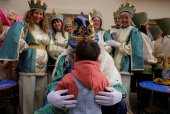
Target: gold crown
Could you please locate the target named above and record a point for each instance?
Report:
(82, 31)
(37, 5)
(68, 19)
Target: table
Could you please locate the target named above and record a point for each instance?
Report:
(149, 85)
(6, 84)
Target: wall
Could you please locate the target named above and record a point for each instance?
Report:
(1, 4)
(155, 8)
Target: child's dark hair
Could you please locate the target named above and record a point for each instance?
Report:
(87, 50)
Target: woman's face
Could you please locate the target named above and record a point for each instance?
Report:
(125, 19)
(96, 23)
(147, 26)
(38, 15)
(68, 28)
(57, 24)
(12, 21)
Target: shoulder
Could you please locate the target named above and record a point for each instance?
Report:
(135, 30)
(67, 78)
(19, 25)
(108, 31)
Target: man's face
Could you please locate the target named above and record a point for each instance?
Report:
(117, 21)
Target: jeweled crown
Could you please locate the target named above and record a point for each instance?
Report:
(116, 13)
(37, 5)
(95, 14)
(127, 8)
(82, 29)
(55, 15)
(67, 21)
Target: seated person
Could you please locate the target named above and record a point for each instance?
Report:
(111, 101)
(86, 80)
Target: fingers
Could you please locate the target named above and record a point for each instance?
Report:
(104, 93)
(69, 102)
(100, 102)
(110, 89)
(71, 106)
(98, 97)
(67, 97)
(62, 91)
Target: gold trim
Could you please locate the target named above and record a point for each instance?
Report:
(37, 46)
(53, 14)
(37, 2)
(125, 41)
(132, 59)
(127, 4)
(56, 18)
(97, 16)
(116, 12)
(146, 22)
(162, 18)
(34, 38)
(17, 48)
(38, 9)
(125, 11)
(68, 20)
(158, 35)
(95, 12)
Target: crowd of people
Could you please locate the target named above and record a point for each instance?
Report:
(81, 67)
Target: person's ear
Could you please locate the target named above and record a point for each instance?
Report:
(75, 58)
(97, 60)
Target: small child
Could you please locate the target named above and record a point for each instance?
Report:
(86, 79)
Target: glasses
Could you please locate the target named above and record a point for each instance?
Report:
(117, 18)
(126, 18)
(95, 21)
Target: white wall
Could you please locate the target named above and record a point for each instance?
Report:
(1, 4)
(155, 8)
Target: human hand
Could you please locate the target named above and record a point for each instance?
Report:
(111, 43)
(114, 35)
(108, 98)
(59, 101)
(5, 63)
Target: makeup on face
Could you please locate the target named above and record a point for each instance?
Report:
(38, 16)
(125, 19)
(57, 24)
(96, 23)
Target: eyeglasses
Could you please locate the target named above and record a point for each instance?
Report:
(95, 21)
(117, 18)
(125, 17)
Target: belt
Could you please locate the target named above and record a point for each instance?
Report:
(36, 46)
(159, 60)
(116, 49)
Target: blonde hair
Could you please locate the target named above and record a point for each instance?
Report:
(1, 26)
(54, 32)
(28, 18)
